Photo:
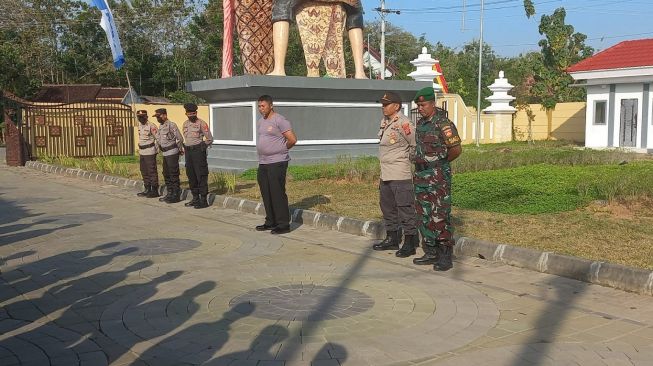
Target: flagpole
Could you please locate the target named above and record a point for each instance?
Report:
(131, 94)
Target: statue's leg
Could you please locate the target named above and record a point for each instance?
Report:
(354, 11)
(356, 41)
(282, 11)
(254, 25)
(280, 32)
(334, 51)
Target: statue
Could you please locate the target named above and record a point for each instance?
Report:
(282, 14)
(263, 27)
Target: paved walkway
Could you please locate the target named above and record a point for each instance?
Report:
(93, 275)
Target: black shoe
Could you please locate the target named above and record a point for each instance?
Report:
(167, 196)
(202, 203)
(175, 196)
(391, 242)
(154, 192)
(280, 230)
(145, 192)
(444, 262)
(193, 202)
(427, 258)
(264, 227)
(410, 244)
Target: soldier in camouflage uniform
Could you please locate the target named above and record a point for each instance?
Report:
(438, 144)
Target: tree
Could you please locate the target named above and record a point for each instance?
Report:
(561, 48)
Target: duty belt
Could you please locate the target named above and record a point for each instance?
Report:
(428, 165)
(143, 147)
(168, 148)
(195, 147)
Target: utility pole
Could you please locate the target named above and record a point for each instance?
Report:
(480, 74)
(383, 11)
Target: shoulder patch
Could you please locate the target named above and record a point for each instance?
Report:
(406, 127)
(205, 127)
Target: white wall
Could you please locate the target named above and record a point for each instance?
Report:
(596, 135)
(649, 135)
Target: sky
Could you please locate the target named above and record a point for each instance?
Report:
(505, 26)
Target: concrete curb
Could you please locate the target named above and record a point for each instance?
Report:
(601, 273)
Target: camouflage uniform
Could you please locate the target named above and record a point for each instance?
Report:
(432, 178)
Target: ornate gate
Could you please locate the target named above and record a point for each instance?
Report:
(79, 130)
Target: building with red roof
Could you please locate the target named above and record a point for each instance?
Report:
(618, 82)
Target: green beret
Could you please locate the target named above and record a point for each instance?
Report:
(425, 94)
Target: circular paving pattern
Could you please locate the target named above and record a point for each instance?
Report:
(72, 219)
(153, 246)
(305, 302)
(32, 200)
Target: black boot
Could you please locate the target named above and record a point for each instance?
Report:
(194, 201)
(430, 256)
(167, 196)
(444, 262)
(145, 192)
(154, 191)
(202, 202)
(410, 244)
(391, 242)
(175, 196)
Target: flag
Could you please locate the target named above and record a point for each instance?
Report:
(440, 78)
(109, 27)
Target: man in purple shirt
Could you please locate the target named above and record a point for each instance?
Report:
(274, 138)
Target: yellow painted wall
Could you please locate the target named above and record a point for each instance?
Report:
(565, 122)
(176, 114)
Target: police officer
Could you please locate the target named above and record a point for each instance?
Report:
(396, 197)
(171, 146)
(197, 138)
(438, 144)
(147, 152)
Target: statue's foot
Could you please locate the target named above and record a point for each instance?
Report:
(360, 76)
(277, 73)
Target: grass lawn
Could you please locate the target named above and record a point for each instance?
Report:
(550, 196)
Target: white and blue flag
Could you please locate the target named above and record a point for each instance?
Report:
(109, 27)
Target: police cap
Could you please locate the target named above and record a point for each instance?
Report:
(141, 112)
(160, 111)
(389, 98)
(190, 107)
(425, 94)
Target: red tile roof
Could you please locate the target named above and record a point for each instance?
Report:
(636, 53)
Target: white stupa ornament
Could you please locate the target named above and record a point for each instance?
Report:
(424, 69)
(500, 99)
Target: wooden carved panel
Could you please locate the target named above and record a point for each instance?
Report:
(112, 141)
(40, 141)
(39, 120)
(87, 131)
(117, 131)
(79, 120)
(110, 119)
(80, 141)
(55, 131)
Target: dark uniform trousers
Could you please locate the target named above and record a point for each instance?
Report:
(171, 170)
(197, 169)
(148, 170)
(272, 181)
(397, 202)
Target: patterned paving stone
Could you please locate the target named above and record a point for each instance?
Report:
(153, 246)
(214, 291)
(302, 302)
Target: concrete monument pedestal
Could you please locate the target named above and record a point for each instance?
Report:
(331, 117)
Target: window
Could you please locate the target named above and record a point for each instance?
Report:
(600, 107)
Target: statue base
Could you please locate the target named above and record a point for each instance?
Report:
(332, 118)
